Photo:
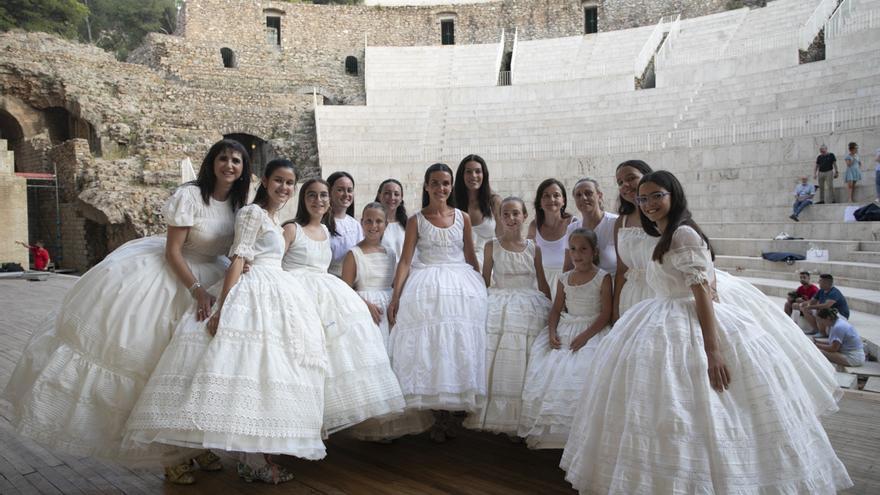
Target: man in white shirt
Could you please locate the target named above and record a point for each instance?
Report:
(803, 197)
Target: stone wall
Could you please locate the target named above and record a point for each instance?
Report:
(13, 204)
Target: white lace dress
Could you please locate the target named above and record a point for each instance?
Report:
(438, 344)
(85, 365)
(258, 384)
(517, 314)
(395, 233)
(649, 421)
(359, 384)
(635, 248)
(350, 233)
(482, 234)
(556, 377)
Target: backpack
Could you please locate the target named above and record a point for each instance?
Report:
(11, 267)
(868, 213)
(789, 258)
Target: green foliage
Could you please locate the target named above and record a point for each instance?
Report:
(121, 25)
(61, 17)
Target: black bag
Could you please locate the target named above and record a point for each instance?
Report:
(786, 257)
(11, 267)
(868, 213)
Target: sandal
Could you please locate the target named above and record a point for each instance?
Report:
(180, 474)
(208, 461)
(267, 473)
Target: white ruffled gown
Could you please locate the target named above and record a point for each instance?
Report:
(517, 314)
(359, 383)
(395, 233)
(635, 248)
(482, 234)
(85, 365)
(258, 384)
(375, 275)
(438, 344)
(649, 421)
(556, 377)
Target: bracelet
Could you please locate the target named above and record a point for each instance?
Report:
(194, 286)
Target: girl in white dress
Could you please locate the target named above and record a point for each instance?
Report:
(369, 269)
(519, 301)
(694, 396)
(549, 228)
(84, 368)
(438, 309)
(348, 231)
(250, 378)
(474, 196)
(390, 194)
(359, 384)
(562, 355)
(588, 199)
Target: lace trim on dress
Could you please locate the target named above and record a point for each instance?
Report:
(248, 224)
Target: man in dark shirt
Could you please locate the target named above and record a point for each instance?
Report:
(825, 172)
(828, 296)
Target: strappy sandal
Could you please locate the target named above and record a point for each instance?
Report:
(267, 473)
(180, 474)
(208, 461)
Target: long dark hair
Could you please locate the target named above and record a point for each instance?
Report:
(539, 212)
(335, 176)
(207, 179)
(437, 167)
(624, 207)
(678, 214)
(302, 213)
(484, 193)
(262, 194)
(400, 213)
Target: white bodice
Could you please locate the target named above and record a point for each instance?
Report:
(350, 233)
(688, 262)
(552, 252)
(584, 300)
(393, 237)
(258, 239)
(605, 234)
(441, 245)
(484, 232)
(306, 253)
(635, 248)
(211, 226)
(375, 271)
(513, 270)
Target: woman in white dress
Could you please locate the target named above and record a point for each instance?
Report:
(250, 379)
(549, 228)
(588, 199)
(84, 368)
(369, 269)
(519, 302)
(348, 231)
(474, 196)
(561, 355)
(359, 383)
(438, 309)
(390, 194)
(694, 396)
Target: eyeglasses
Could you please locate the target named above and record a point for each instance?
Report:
(653, 197)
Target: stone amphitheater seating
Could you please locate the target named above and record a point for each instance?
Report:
(738, 132)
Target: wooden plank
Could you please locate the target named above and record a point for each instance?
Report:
(58, 480)
(42, 484)
(873, 384)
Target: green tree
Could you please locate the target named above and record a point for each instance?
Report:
(61, 17)
(121, 25)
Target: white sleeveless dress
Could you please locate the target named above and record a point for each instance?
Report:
(438, 344)
(359, 384)
(517, 314)
(552, 258)
(86, 364)
(482, 234)
(649, 421)
(258, 384)
(350, 233)
(556, 377)
(395, 233)
(635, 248)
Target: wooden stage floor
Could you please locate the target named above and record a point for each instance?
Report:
(473, 463)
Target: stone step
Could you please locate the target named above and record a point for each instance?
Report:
(870, 368)
(846, 380)
(860, 231)
(837, 250)
(866, 274)
(864, 301)
(872, 385)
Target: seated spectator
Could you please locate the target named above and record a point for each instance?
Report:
(803, 197)
(844, 345)
(803, 293)
(826, 297)
(41, 256)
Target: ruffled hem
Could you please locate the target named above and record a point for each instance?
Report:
(499, 415)
(468, 401)
(307, 445)
(360, 395)
(411, 422)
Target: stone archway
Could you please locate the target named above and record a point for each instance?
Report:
(261, 152)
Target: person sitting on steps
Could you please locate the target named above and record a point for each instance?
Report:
(803, 197)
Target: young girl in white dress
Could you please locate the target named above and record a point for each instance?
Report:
(519, 302)
(438, 309)
(549, 228)
(588, 199)
(369, 269)
(348, 231)
(390, 194)
(562, 355)
(359, 384)
(474, 196)
(249, 379)
(81, 373)
(694, 396)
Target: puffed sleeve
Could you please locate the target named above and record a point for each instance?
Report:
(690, 255)
(180, 209)
(248, 223)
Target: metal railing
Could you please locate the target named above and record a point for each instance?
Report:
(649, 48)
(504, 78)
(848, 19)
(816, 22)
(665, 50)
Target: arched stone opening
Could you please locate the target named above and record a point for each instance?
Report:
(260, 151)
(228, 57)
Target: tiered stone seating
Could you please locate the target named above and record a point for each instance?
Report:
(448, 66)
